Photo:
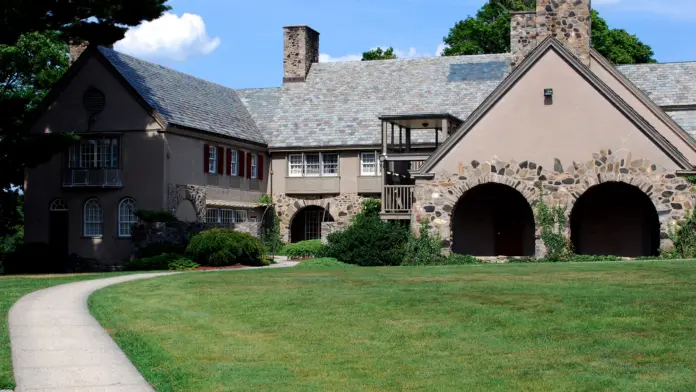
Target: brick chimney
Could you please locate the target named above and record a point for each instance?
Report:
(300, 52)
(569, 21)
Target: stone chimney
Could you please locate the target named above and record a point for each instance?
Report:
(301, 51)
(76, 50)
(569, 21)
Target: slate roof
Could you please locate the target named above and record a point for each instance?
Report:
(667, 84)
(261, 104)
(339, 103)
(187, 101)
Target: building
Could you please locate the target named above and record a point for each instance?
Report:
(466, 143)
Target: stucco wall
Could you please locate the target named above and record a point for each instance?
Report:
(524, 125)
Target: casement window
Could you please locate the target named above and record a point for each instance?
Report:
(93, 219)
(101, 153)
(369, 164)
(313, 164)
(212, 159)
(126, 217)
(254, 166)
(223, 216)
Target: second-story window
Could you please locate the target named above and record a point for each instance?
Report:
(313, 165)
(212, 159)
(369, 164)
(254, 166)
(95, 153)
(234, 163)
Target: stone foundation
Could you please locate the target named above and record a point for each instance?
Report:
(671, 195)
(341, 207)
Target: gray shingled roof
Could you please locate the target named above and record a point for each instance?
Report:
(339, 103)
(668, 84)
(185, 100)
(261, 104)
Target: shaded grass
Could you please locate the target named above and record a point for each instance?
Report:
(12, 288)
(537, 327)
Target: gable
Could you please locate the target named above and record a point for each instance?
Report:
(122, 110)
(518, 123)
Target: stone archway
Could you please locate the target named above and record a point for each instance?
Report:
(615, 218)
(493, 220)
(306, 224)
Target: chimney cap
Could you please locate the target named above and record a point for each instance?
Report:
(300, 27)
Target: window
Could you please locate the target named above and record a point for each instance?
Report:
(95, 154)
(126, 217)
(212, 159)
(212, 215)
(369, 164)
(240, 216)
(219, 216)
(254, 166)
(234, 164)
(226, 216)
(59, 205)
(93, 219)
(313, 165)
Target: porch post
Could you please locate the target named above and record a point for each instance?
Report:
(408, 139)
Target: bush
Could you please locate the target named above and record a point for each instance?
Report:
(424, 250)
(162, 248)
(302, 249)
(156, 216)
(369, 241)
(224, 247)
(183, 264)
(590, 258)
(456, 259)
(161, 263)
(325, 262)
(33, 258)
(684, 239)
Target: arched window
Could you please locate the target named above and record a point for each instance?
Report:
(59, 205)
(93, 219)
(126, 217)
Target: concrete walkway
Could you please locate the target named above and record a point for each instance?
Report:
(58, 346)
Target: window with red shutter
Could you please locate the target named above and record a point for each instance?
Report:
(220, 160)
(206, 158)
(248, 166)
(260, 167)
(229, 162)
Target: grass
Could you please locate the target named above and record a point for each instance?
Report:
(536, 327)
(12, 288)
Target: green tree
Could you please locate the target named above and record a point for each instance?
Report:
(489, 32)
(379, 54)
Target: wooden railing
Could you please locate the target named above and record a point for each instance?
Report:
(105, 178)
(397, 199)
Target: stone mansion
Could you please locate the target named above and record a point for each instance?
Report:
(466, 143)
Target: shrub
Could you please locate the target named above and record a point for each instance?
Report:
(162, 248)
(271, 232)
(183, 264)
(33, 258)
(369, 241)
(302, 249)
(424, 250)
(590, 258)
(156, 216)
(325, 262)
(457, 259)
(684, 239)
(154, 263)
(552, 220)
(223, 247)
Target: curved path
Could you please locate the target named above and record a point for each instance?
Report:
(58, 346)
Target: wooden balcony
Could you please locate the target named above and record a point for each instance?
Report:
(92, 178)
(397, 201)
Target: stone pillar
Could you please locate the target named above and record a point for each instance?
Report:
(301, 50)
(569, 21)
(523, 35)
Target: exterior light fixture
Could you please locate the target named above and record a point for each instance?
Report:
(548, 92)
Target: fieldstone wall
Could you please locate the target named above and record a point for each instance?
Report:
(196, 194)
(569, 21)
(301, 50)
(523, 35)
(341, 207)
(671, 195)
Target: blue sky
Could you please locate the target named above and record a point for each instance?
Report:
(240, 43)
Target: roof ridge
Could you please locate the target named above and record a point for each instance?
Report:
(414, 59)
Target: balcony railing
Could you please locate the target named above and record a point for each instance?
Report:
(398, 199)
(104, 178)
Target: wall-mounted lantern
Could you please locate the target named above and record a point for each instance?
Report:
(548, 92)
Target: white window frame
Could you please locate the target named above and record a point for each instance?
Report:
(212, 215)
(234, 165)
(127, 218)
(240, 216)
(300, 169)
(212, 159)
(254, 166)
(378, 166)
(95, 218)
(96, 153)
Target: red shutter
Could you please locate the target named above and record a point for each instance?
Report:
(259, 168)
(229, 162)
(249, 165)
(240, 162)
(206, 157)
(220, 162)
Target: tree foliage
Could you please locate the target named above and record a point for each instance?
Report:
(489, 32)
(379, 54)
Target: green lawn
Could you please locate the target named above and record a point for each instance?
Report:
(562, 327)
(13, 288)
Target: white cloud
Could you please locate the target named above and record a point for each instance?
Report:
(409, 53)
(170, 37)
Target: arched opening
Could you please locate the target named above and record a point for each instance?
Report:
(306, 225)
(615, 219)
(186, 212)
(493, 220)
(58, 227)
